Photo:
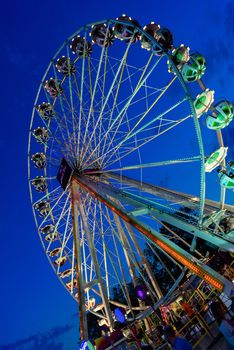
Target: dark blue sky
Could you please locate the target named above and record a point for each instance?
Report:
(35, 308)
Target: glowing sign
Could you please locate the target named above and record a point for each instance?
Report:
(64, 174)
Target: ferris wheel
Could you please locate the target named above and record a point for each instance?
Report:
(119, 147)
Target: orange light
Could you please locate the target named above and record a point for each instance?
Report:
(213, 281)
(179, 257)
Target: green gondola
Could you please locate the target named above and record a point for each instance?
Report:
(223, 115)
(226, 177)
(194, 68)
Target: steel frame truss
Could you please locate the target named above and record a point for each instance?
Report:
(104, 192)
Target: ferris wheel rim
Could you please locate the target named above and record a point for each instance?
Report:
(188, 97)
(65, 42)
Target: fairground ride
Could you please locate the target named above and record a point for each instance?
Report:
(124, 138)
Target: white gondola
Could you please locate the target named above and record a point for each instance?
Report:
(215, 159)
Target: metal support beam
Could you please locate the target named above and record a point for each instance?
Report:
(143, 260)
(78, 261)
(92, 251)
(179, 254)
(223, 242)
(174, 196)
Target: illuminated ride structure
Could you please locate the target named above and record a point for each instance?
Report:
(123, 128)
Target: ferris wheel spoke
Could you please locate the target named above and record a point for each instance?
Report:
(155, 164)
(135, 144)
(113, 264)
(111, 69)
(154, 103)
(138, 266)
(135, 102)
(81, 102)
(110, 114)
(129, 136)
(104, 241)
(115, 83)
(117, 105)
(135, 242)
(49, 195)
(133, 118)
(100, 240)
(64, 115)
(104, 253)
(76, 87)
(82, 106)
(93, 227)
(69, 234)
(132, 258)
(155, 119)
(82, 92)
(102, 128)
(71, 100)
(64, 212)
(90, 79)
(104, 78)
(116, 250)
(116, 75)
(93, 95)
(148, 108)
(91, 92)
(63, 245)
(140, 83)
(50, 213)
(51, 129)
(71, 124)
(62, 145)
(98, 105)
(155, 129)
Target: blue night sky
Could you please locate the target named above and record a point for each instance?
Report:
(36, 311)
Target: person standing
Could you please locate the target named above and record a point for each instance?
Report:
(176, 342)
(225, 326)
(187, 308)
